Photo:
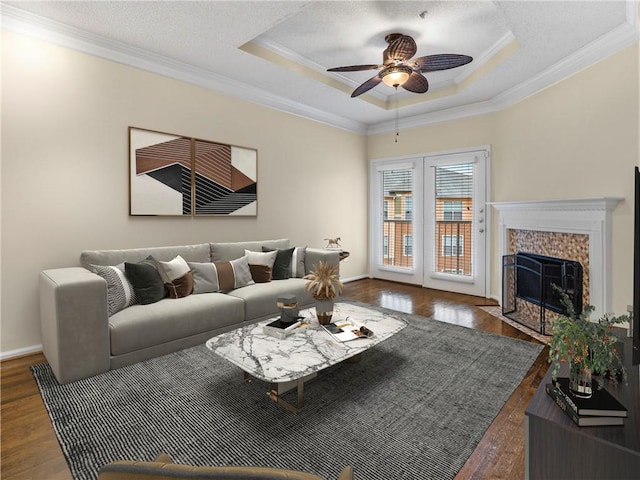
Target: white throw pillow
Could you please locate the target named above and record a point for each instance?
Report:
(297, 269)
(176, 268)
(261, 258)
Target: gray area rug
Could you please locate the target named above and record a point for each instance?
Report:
(414, 407)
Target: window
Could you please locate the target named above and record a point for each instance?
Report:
(408, 208)
(452, 245)
(452, 210)
(397, 187)
(407, 245)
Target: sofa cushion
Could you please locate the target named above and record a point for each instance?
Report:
(177, 277)
(220, 276)
(297, 268)
(146, 281)
(260, 299)
(260, 273)
(233, 274)
(205, 277)
(261, 258)
(191, 253)
(282, 265)
(223, 252)
(261, 265)
(180, 287)
(120, 292)
(173, 269)
(144, 326)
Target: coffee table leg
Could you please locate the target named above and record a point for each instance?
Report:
(273, 395)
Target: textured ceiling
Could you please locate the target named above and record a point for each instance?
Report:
(277, 53)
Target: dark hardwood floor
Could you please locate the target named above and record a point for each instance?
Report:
(30, 450)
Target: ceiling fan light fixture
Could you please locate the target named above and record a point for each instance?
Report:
(396, 75)
(397, 68)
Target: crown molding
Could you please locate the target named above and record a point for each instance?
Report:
(304, 61)
(57, 33)
(618, 39)
(485, 57)
(63, 35)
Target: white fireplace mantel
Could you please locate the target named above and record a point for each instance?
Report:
(587, 216)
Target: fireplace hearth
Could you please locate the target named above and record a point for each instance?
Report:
(532, 286)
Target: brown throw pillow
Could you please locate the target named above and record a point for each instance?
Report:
(260, 273)
(233, 274)
(180, 287)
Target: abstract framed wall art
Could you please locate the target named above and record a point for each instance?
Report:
(178, 175)
(225, 179)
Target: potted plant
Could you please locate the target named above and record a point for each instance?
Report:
(324, 285)
(588, 347)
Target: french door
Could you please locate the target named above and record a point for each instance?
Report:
(396, 220)
(428, 220)
(455, 222)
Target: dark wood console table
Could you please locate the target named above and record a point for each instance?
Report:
(557, 449)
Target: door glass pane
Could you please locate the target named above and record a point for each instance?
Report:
(397, 225)
(453, 219)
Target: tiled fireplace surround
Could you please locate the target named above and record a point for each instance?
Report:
(571, 229)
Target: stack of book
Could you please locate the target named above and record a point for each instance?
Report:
(280, 329)
(601, 409)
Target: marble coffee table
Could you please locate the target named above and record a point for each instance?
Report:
(289, 362)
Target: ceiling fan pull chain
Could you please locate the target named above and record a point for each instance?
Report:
(397, 115)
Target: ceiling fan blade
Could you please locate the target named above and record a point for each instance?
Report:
(353, 68)
(445, 61)
(401, 48)
(417, 83)
(366, 86)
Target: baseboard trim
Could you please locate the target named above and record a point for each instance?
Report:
(496, 298)
(20, 352)
(353, 279)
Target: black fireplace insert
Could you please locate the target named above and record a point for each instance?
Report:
(533, 278)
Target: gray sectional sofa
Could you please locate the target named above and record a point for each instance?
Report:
(81, 339)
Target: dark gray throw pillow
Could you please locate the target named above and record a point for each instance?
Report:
(146, 281)
(281, 267)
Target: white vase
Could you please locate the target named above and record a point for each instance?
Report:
(324, 310)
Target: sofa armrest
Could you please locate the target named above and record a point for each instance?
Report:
(74, 323)
(315, 255)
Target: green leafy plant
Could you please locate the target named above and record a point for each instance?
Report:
(589, 346)
(324, 281)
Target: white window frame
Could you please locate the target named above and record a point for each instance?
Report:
(404, 245)
(459, 244)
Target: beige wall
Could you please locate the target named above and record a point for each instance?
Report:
(65, 170)
(576, 139)
(64, 164)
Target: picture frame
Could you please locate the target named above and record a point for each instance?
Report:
(176, 175)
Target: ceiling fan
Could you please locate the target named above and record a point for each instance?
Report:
(398, 69)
